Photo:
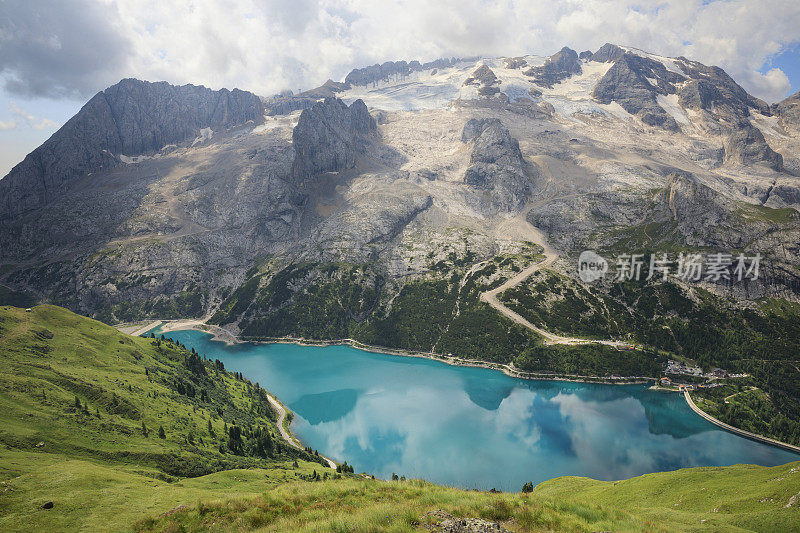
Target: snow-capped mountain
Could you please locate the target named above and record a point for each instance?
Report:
(158, 199)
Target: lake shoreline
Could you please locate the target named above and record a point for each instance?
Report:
(737, 431)
(221, 334)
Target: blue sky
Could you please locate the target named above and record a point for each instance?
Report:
(788, 61)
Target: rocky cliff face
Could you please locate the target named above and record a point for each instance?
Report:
(635, 82)
(744, 144)
(329, 136)
(382, 72)
(558, 67)
(130, 118)
(496, 164)
(789, 110)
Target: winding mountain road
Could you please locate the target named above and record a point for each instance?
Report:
(550, 256)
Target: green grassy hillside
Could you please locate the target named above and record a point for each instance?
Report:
(104, 466)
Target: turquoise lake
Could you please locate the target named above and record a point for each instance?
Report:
(473, 427)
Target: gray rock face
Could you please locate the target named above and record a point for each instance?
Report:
(557, 68)
(788, 110)
(379, 72)
(496, 164)
(329, 136)
(745, 145)
(485, 79)
(691, 203)
(607, 53)
(283, 104)
(131, 118)
(725, 90)
(699, 94)
(515, 62)
(483, 75)
(634, 83)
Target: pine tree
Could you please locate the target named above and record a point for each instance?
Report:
(144, 429)
(161, 434)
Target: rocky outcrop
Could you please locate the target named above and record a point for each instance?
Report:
(515, 62)
(496, 164)
(379, 72)
(691, 203)
(283, 104)
(485, 79)
(557, 68)
(608, 53)
(634, 82)
(699, 94)
(329, 136)
(719, 89)
(130, 118)
(788, 111)
(744, 144)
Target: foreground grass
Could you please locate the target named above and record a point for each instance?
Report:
(93, 496)
(738, 498)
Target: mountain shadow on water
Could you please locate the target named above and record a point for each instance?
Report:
(326, 406)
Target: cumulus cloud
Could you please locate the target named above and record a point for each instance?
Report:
(77, 47)
(64, 48)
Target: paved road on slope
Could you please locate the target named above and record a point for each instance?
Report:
(146, 328)
(288, 437)
(491, 297)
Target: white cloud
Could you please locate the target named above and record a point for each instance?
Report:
(21, 113)
(267, 46)
(45, 124)
(27, 119)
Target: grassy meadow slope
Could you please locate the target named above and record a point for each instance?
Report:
(103, 471)
(737, 498)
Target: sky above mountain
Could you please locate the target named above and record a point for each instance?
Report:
(56, 55)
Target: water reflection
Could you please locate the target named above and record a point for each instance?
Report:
(477, 428)
(326, 406)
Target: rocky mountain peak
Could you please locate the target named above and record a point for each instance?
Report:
(129, 118)
(634, 82)
(558, 67)
(607, 53)
(328, 137)
(496, 164)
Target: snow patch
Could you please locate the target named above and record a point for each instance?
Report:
(574, 95)
(427, 89)
(769, 126)
(132, 160)
(673, 108)
(270, 123)
(669, 63)
(205, 135)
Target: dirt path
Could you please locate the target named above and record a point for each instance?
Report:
(288, 437)
(136, 331)
(520, 226)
